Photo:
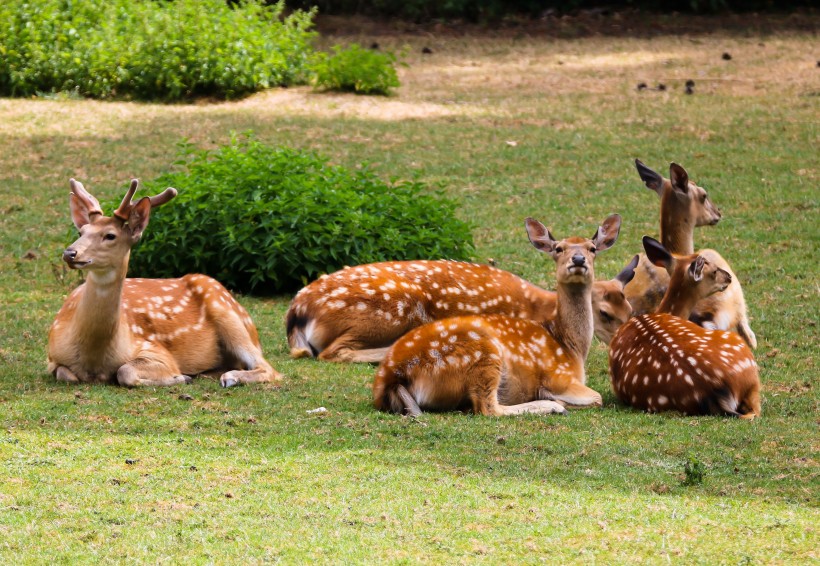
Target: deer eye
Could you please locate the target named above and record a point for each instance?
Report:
(559, 250)
(592, 250)
(606, 316)
(703, 197)
(110, 237)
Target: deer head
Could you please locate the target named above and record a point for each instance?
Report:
(105, 242)
(692, 278)
(680, 197)
(574, 256)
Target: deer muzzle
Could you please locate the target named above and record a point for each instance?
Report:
(70, 257)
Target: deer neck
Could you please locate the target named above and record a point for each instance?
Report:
(677, 230)
(99, 311)
(677, 301)
(573, 326)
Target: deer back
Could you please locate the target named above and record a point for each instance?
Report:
(444, 363)
(375, 304)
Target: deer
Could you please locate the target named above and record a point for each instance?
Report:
(499, 365)
(357, 313)
(144, 332)
(685, 206)
(663, 361)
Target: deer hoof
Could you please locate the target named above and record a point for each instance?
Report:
(228, 381)
(187, 379)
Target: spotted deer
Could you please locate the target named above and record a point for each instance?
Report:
(355, 314)
(685, 206)
(144, 331)
(501, 365)
(662, 361)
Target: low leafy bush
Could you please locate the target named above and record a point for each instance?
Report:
(354, 69)
(151, 50)
(266, 219)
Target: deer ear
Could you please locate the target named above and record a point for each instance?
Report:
(696, 268)
(540, 237)
(607, 233)
(79, 211)
(679, 178)
(651, 178)
(138, 218)
(82, 204)
(656, 253)
(628, 272)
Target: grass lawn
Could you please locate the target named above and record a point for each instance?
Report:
(513, 127)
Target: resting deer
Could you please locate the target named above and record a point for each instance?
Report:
(685, 206)
(355, 314)
(663, 361)
(144, 331)
(500, 365)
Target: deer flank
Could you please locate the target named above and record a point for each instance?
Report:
(662, 361)
(144, 331)
(500, 365)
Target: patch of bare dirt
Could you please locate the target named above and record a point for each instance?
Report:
(582, 23)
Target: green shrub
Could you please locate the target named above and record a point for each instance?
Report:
(150, 50)
(267, 219)
(355, 69)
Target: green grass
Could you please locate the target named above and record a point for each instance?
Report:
(247, 475)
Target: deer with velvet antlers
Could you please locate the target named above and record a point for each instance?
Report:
(662, 361)
(144, 331)
(685, 206)
(500, 365)
(356, 314)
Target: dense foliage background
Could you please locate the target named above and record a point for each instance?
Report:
(150, 50)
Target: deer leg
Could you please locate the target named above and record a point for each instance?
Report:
(411, 408)
(484, 394)
(535, 407)
(579, 396)
(244, 348)
(152, 369)
(259, 371)
(373, 355)
(62, 373)
(345, 349)
(545, 394)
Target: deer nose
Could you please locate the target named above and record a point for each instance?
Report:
(69, 255)
(578, 260)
